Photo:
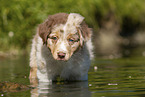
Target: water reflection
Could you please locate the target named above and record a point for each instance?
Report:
(62, 89)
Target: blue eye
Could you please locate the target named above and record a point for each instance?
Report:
(71, 40)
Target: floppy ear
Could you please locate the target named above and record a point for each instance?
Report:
(45, 29)
(85, 33)
(81, 37)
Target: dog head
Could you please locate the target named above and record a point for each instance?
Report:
(64, 34)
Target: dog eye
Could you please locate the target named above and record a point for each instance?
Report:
(71, 40)
(54, 37)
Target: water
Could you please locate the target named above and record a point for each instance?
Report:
(107, 78)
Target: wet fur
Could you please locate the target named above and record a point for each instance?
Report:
(42, 63)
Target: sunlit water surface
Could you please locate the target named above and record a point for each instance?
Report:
(107, 78)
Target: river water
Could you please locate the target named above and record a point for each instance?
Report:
(124, 77)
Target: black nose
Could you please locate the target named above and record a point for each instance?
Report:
(61, 55)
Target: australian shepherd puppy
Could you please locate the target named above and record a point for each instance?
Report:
(61, 47)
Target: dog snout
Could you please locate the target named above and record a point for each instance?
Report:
(61, 55)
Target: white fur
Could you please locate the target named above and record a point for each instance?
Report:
(90, 48)
(74, 20)
(62, 47)
(76, 68)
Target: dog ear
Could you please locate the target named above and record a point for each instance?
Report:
(44, 29)
(81, 37)
(85, 33)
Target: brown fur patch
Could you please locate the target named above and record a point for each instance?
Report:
(46, 27)
(85, 31)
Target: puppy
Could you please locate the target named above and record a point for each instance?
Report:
(61, 47)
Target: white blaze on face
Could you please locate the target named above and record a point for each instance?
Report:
(62, 47)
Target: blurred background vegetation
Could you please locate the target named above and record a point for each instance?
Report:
(121, 19)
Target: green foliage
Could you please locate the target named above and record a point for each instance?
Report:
(22, 16)
(133, 9)
(19, 18)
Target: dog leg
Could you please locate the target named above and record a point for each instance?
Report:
(33, 63)
(83, 78)
(33, 76)
(33, 73)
